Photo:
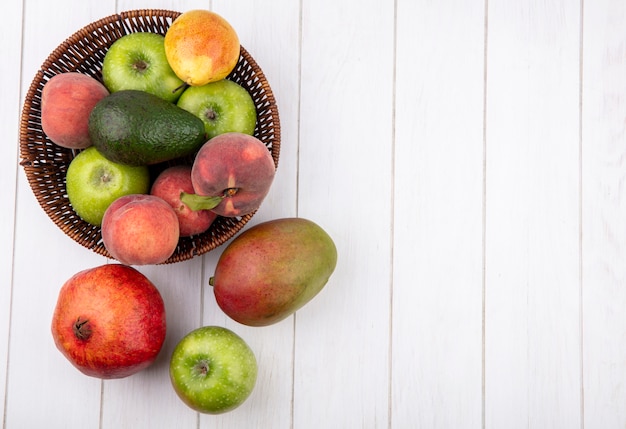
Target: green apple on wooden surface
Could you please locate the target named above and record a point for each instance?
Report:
(224, 106)
(93, 182)
(137, 61)
(213, 370)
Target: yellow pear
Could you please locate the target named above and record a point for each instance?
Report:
(201, 47)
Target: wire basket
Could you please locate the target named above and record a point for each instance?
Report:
(46, 163)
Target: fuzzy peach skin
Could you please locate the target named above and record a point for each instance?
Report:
(201, 47)
(168, 185)
(140, 229)
(67, 99)
(238, 167)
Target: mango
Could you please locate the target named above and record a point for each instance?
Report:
(273, 269)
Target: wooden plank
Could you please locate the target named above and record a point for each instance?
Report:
(10, 108)
(343, 336)
(147, 399)
(532, 312)
(44, 258)
(271, 399)
(438, 211)
(270, 33)
(604, 211)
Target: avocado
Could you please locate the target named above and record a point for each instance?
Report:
(138, 128)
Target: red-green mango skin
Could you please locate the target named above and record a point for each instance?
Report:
(273, 269)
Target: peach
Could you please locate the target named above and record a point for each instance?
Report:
(67, 99)
(169, 185)
(201, 47)
(140, 229)
(234, 170)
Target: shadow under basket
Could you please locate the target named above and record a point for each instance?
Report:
(46, 163)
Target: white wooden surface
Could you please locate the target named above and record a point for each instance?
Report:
(469, 159)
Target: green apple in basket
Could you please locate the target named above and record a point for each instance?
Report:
(93, 182)
(224, 106)
(137, 61)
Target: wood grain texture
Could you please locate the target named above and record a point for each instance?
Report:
(438, 210)
(44, 258)
(148, 394)
(11, 34)
(604, 211)
(344, 176)
(271, 33)
(532, 288)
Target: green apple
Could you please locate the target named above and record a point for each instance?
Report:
(93, 182)
(213, 370)
(137, 61)
(224, 106)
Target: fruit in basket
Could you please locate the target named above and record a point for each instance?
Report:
(168, 185)
(93, 182)
(231, 175)
(201, 47)
(140, 229)
(224, 106)
(273, 269)
(213, 370)
(109, 321)
(66, 102)
(138, 128)
(138, 61)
